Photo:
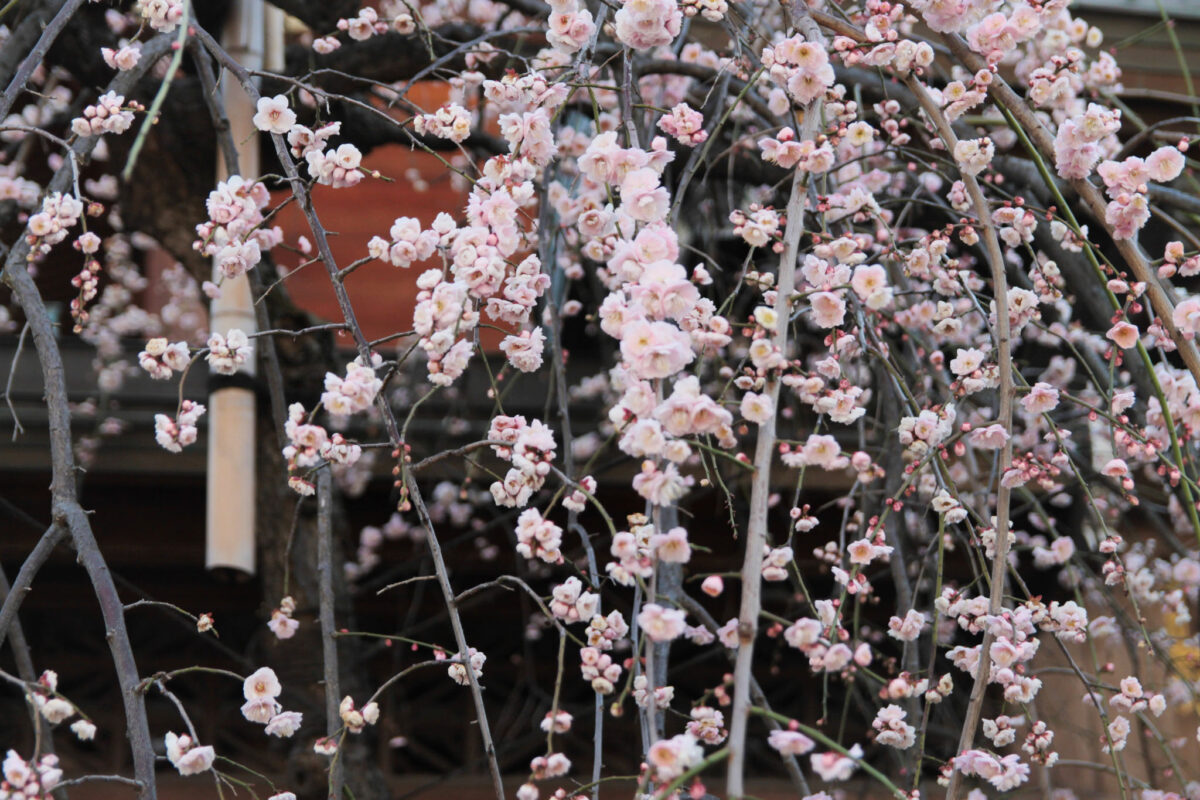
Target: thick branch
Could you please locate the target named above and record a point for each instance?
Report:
(66, 511)
(325, 567)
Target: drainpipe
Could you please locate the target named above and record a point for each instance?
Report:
(230, 542)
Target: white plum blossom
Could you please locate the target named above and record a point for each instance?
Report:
(188, 756)
(274, 116)
(260, 690)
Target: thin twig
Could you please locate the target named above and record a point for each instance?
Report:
(12, 371)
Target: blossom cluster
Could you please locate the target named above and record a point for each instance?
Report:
(235, 234)
(646, 24)
(53, 222)
(161, 15)
(530, 448)
(228, 352)
(355, 392)
(337, 167)
(174, 434)
(162, 358)
(571, 27)
(24, 780)
(108, 114)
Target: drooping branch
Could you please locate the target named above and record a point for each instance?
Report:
(760, 490)
(1003, 337)
(321, 238)
(21, 586)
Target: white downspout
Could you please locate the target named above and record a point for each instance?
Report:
(230, 541)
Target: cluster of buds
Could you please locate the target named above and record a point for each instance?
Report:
(663, 695)
(409, 243)
(891, 728)
(560, 721)
(1002, 731)
(706, 725)
(530, 448)
(325, 45)
(775, 563)
(598, 668)
(161, 358)
(803, 520)
(88, 279)
(52, 707)
(458, 670)
(907, 685)
(571, 27)
(759, 228)
(303, 141)
(577, 500)
(926, 430)
(711, 10)
(175, 434)
(108, 115)
(1174, 262)
(1003, 773)
(226, 354)
(356, 719)
(124, 58)
(444, 313)
(948, 506)
(603, 631)
(451, 122)
(632, 551)
(571, 603)
(806, 155)
(801, 67)
(309, 444)
(363, 26)
(1037, 744)
(161, 15)
(1125, 183)
(337, 168)
(1134, 699)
